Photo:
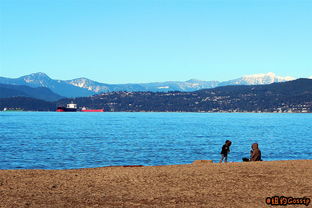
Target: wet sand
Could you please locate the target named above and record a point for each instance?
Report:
(189, 185)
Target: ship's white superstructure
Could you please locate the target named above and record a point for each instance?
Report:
(72, 106)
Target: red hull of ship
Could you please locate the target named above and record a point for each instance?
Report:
(93, 110)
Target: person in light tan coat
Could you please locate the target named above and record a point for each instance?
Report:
(255, 153)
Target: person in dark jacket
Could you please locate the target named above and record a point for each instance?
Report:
(225, 150)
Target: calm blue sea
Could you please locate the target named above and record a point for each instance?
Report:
(51, 140)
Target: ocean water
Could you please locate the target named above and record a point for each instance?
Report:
(51, 140)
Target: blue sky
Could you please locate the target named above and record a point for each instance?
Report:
(119, 41)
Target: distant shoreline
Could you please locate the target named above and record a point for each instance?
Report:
(284, 97)
(166, 112)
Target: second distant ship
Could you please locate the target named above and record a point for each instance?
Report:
(84, 109)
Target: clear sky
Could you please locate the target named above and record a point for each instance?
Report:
(131, 41)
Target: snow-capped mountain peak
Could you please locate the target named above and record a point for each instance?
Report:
(267, 78)
(80, 82)
(88, 84)
(38, 75)
(258, 79)
(36, 79)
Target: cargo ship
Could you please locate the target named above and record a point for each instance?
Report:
(71, 107)
(84, 109)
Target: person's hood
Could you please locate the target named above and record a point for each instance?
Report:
(254, 146)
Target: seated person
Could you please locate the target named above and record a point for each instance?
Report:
(255, 153)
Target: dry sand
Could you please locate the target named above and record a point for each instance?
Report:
(191, 185)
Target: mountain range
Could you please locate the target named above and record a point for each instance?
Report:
(82, 87)
(290, 96)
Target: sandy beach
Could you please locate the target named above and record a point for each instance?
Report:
(189, 185)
